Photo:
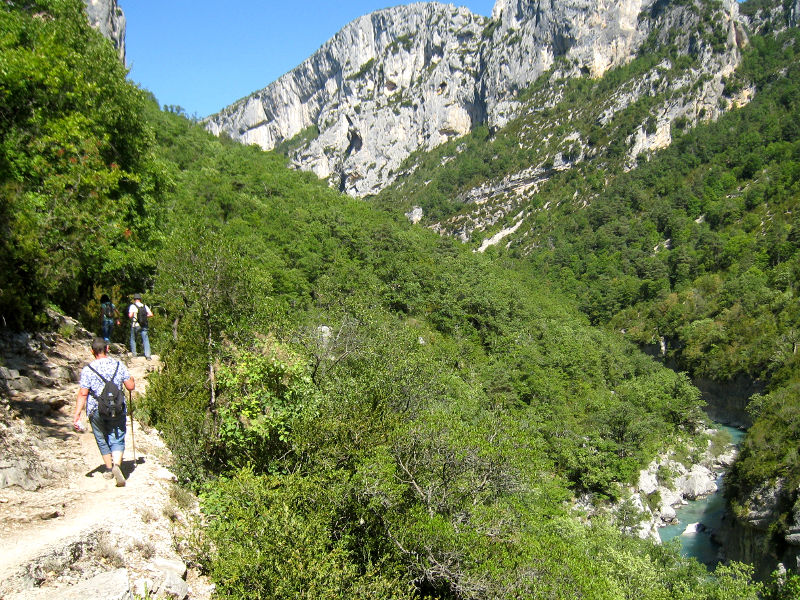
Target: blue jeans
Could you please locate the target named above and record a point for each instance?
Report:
(145, 340)
(108, 433)
(107, 328)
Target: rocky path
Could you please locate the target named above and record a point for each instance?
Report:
(65, 531)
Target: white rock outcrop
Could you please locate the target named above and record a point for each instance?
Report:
(387, 84)
(107, 17)
(698, 482)
(415, 76)
(667, 484)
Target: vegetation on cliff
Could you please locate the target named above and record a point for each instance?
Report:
(697, 248)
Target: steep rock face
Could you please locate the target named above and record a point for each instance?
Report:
(726, 402)
(413, 77)
(387, 84)
(753, 536)
(107, 17)
(774, 17)
(711, 46)
(589, 37)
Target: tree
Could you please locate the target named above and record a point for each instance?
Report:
(75, 159)
(208, 291)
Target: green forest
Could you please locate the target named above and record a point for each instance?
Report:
(721, 208)
(369, 410)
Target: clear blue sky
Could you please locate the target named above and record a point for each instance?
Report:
(204, 55)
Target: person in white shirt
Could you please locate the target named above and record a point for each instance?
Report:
(139, 313)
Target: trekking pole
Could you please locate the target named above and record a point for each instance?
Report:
(133, 440)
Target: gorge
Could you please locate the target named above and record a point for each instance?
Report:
(434, 386)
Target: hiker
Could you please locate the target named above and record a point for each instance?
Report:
(101, 395)
(138, 314)
(108, 316)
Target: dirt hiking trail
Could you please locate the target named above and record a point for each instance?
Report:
(66, 531)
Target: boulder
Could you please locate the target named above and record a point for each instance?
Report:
(668, 514)
(172, 586)
(173, 566)
(669, 498)
(695, 528)
(697, 483)
(19, 472)
(793, 534)
(164, 474)
(20, 384)
(648, 483)
(112, 585)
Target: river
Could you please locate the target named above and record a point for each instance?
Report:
(708, 511)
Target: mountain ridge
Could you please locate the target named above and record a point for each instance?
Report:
(414, 77)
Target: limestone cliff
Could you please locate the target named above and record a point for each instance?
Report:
(387, 84)
(412, 77)
(589, 38)
(681, 87)
(107, 17)
(767, 529)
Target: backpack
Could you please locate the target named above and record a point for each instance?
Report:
(111, 401)
(141, 316)
(107, 309)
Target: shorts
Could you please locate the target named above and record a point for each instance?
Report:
(108, 433)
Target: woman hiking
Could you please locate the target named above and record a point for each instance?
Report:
(108, 316)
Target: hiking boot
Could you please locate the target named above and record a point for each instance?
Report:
(108, 473)
(117, 472)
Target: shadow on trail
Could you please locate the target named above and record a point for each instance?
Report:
(45, 413)
(127, 467)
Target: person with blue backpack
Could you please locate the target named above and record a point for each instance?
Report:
(139, 313)
(101, 394)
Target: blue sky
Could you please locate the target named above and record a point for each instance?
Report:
(204, 55)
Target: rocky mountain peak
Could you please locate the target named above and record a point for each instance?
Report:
(387, 84)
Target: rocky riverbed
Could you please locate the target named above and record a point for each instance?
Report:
(668, 483)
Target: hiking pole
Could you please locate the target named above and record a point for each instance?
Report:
(133, 440)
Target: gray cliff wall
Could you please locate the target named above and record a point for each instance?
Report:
(413, 77)
(753, 539)
(589, 38)
(727, 401)
(107, 17)
(387, 84)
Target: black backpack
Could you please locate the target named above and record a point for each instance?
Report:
(141, 316)
(111, 401)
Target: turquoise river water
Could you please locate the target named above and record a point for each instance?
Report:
(709, 512)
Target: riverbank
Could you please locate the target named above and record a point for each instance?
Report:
(698, 523)
(674, 481)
